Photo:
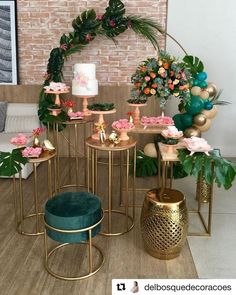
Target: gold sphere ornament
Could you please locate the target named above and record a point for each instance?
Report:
(199, 119)
(211, 113)
(211, 89)
(206, 126)
(192, 131)
(204, 94)
(196, 90)
(150, 150)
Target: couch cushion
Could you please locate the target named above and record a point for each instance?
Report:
(3, 112)
(22, 109)
(21, 123)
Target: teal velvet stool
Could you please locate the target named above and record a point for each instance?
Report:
(73, 218)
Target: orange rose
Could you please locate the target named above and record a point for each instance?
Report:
(137, 84)
(143, 69)
(171, 86)
(146, 90)
(166, 66)
(154, 85)
(152, 75)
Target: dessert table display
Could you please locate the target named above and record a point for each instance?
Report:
(19, 199)
(94, 149)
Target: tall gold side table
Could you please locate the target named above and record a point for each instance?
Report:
(19, 200)
(166, 157)
(94, 147)
(74, 149)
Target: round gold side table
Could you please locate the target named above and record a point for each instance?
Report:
(68, 141)
(164, 223)
(20, 215)
(108, 150)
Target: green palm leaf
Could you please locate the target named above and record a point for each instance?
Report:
(11, 163)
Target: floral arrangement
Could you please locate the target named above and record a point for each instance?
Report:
(160, 120)
(172, 132)
(122, 124)
(161, 77)
(56, 86)
(31, 152)
(19, 140)
(69, 103)
(197, 144)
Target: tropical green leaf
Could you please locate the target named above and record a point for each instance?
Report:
(188, 164)
(11, 163)
(193, 64)
(197, 165)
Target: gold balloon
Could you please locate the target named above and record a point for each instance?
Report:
(192, 131)
(211, 89)
(206, 126)
(199, 119)
(204, 94)
(211, 113)
(196, 90)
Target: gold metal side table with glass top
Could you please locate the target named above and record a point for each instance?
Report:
(20, 201)
(114, 225)
(72, 141)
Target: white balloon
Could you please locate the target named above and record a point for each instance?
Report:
(150, 150)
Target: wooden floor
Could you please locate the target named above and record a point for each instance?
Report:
(22, 269)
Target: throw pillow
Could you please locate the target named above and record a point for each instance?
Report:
(21, 123)
(3, 112)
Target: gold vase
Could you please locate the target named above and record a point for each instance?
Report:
(203, 193)
(164, 223)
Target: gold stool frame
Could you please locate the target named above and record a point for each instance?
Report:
(93, 146)
(167, 155)
(20, 216)
(48, 254)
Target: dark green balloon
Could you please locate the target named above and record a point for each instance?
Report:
(186, 120)
(178, 124)
(195, 106)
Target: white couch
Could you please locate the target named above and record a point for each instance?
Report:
(20, 118)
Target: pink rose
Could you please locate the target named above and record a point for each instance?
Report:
(20, 140)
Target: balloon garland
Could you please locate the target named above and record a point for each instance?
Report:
(86, 27)
(196, 114)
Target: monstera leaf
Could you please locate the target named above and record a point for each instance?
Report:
(11, 163)
(193, 64)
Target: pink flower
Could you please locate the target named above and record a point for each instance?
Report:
(129, 24)
(38, 131)
(20, 140)
(32, 152)
(147, 78)
(69, 103)
(122, 124)
(160, 120)
(56, 86)
(78, 115)
(63, 47)
(100, 16)
(88, 37)
(172, 132)
(197, 144)
(112, 23)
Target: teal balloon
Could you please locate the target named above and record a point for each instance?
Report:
(195, 106)
(186, 120)
(196, 82)
(178, 123)
(203, 84)
(202, 76)
(208, 105)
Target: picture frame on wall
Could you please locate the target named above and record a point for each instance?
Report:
(8, 43)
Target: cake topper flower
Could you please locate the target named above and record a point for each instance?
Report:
(81, 79)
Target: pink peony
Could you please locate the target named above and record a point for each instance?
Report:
(122, 124)
(29, 152)
(20, 140)
(172, 132)
(197, 144)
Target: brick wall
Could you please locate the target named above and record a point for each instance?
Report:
(41, 24)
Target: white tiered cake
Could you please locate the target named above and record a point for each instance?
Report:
(84, 82)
